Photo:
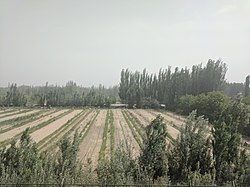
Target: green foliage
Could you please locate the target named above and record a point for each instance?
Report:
(49, 95)
(247, 86)
(246, 100)
(233, 89)
(148, 90)
(23, 163)
(230, 158)
(14, 97)
(67, 167)
(120, 169)
(187, 104)
(210, 106)
(153, 158)
(191, 152)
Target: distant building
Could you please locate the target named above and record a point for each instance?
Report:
(162, 106)
(119, 105)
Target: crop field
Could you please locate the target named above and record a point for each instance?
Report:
(101, 130)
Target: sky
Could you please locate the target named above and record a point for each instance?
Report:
(90, 42)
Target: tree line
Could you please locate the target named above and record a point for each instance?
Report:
(50, 95)
(166, 87)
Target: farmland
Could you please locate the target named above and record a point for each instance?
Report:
(101, 130)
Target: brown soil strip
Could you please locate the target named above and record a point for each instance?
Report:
(119, 131)
(82, 124)
(18, 130)
(179, 123)
(8, 113)
(18, 115)
(141, 118)
(91, 144)
(128, 136)
(7, 109)
(50, 128)
(52, 145)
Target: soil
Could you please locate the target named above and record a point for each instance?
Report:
(18, 115)
(128, 136)
(18, 130)
(8, 113)
(179, 123)
(50, 128)
(91, 144)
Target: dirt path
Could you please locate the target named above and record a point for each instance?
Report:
(50, 128)
(7, 109)
(19, 115)
(139, 117)
(9, 113)
(147, 114)
(119, 131)
(173, 115)
(179, 123)
(91, 144)
(18, 130)
(51, 142)
(83, 122)
(128, 136)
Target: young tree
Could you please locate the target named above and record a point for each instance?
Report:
(247, 86)
(153, 158)
(192, 153)
(227, 144)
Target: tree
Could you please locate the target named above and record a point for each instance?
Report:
(210, 106)
(120, 169)
(191, 153)
(247, 86)
(153, 158)
(187, 104)
(227, 144)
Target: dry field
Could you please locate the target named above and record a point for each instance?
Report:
(101, 130)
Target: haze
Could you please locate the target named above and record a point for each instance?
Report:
(89, 42)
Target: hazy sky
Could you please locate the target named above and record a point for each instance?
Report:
(89, 42)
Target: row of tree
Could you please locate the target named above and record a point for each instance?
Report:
(49, 95)
(232, 89)
(13, 97)
(210, 105)
(167, 87)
